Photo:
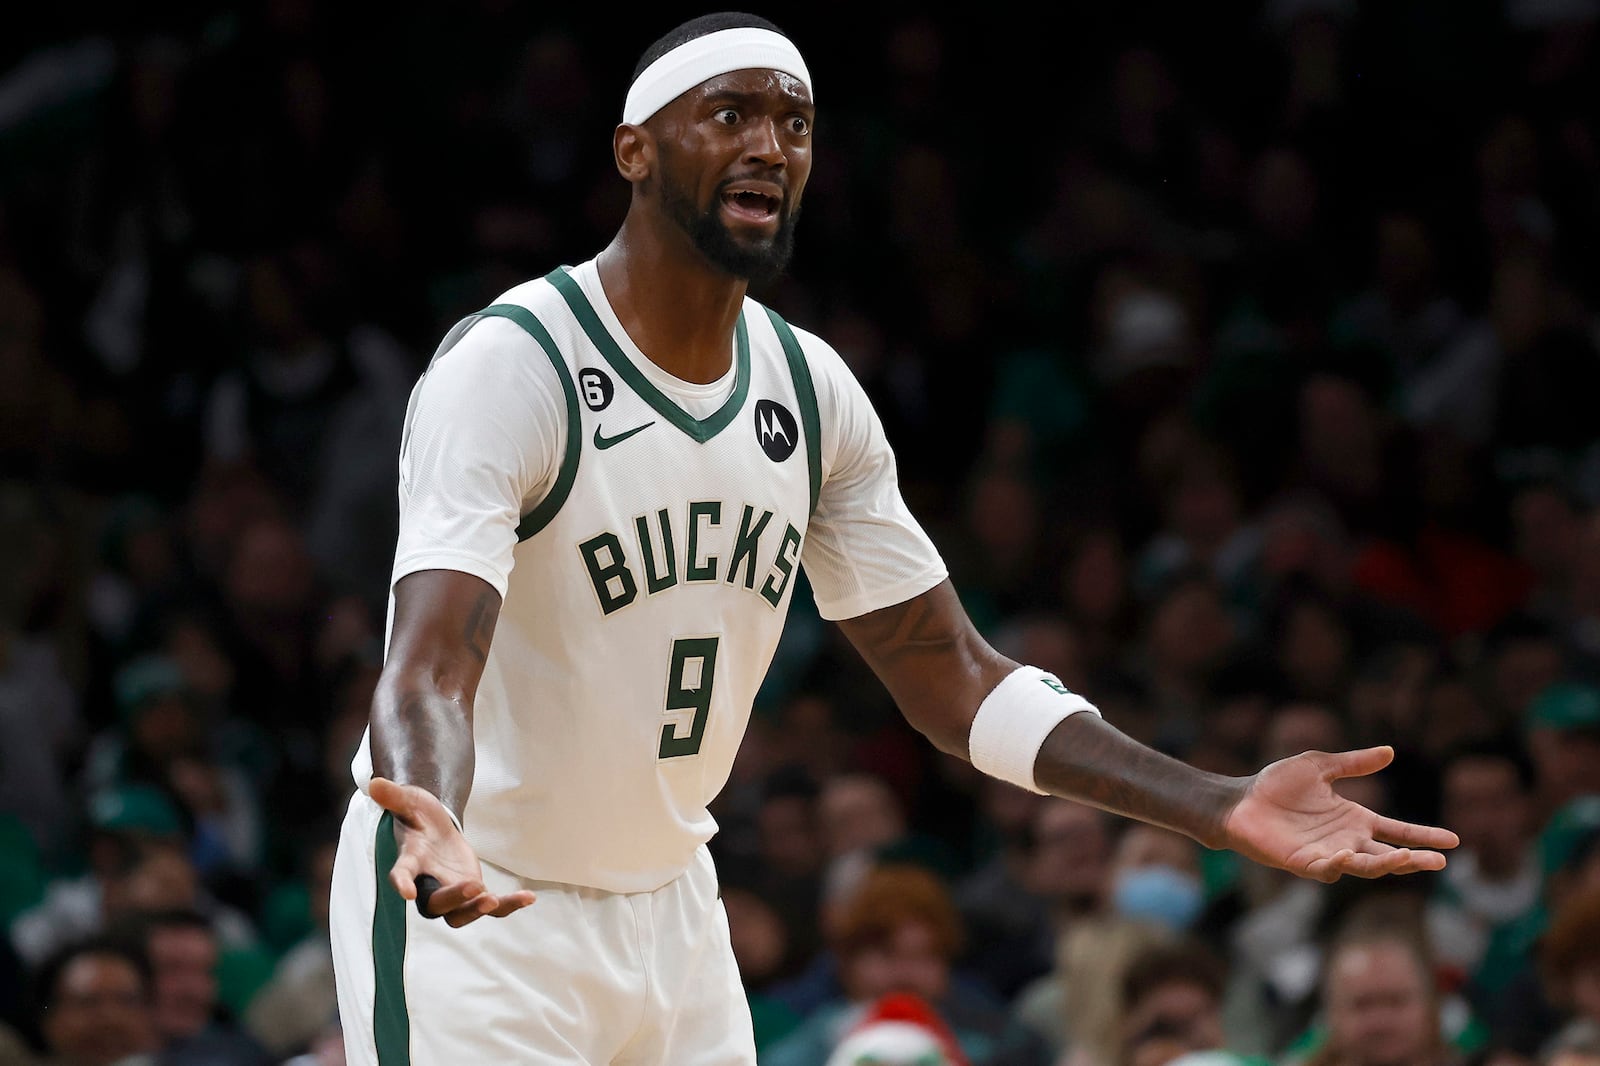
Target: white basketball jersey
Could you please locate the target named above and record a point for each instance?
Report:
(649, 587)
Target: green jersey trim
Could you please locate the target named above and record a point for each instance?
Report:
(391, 1021)
(540, 516)
(806, 394)
(700, 429)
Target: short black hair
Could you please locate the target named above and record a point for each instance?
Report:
(1503, 747)
(699, 27)
(1186, 961)
(138, 927)
(47, 978)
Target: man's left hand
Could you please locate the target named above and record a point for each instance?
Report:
(1292, 818)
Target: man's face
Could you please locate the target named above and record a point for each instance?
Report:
(1379, 1010)
(1567, 762)
(1585, 989)
(791, 839)
(101, 1012)
(734, 154)
(908, 960)
(1485, 804)
(184, 960)
(1180, 1011)
(1071, 859)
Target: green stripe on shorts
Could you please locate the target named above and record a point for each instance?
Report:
(391, 1025)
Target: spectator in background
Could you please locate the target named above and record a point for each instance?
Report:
(1570, 956)
(1580, 628)
(1155, 877)
(1496, 877)
(42, 725)
(1409, 316)
(125, 826)
(194, 1027)
(1076, 1009)
(1006, 920)
(1067, 870)
(1527, 1007)
(1522, 656)
(297, 1004)
(860, 815)
(94, 1004)
(1563, 736)
(1204, 525)
(1190, 634)
(792, 857)
(1097, 595)
(899, 1030)
(1172, 998)
(1547, 536)
(900, 932)
(1577, 1045)
(163, 740)
(761, 950)
(1380, 1004)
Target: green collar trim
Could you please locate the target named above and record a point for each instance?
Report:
(701, 429)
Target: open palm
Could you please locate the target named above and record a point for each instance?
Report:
(431, 846)
(1292, 818)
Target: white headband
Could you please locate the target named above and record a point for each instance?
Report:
(705, 57)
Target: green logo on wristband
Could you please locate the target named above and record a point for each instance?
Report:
(1054, 685)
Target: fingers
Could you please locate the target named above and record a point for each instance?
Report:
(449, 898)
(1357, 763)
(462, 902)
(488, 906)
(403, 875)
(510, 904)
(1409, 834)
(1379, 861)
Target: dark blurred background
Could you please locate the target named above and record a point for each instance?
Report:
(1241, 357)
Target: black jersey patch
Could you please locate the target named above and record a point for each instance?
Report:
(776, 430)
(596, 388)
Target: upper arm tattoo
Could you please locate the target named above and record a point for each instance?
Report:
(479, 629)
(933, 662)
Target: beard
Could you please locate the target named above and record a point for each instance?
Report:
(757, 261)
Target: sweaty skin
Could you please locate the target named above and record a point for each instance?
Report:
(1288, 815)
(750, 131)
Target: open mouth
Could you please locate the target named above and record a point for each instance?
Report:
(751, 204)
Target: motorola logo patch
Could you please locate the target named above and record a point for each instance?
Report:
(596, 388)
(776, 430)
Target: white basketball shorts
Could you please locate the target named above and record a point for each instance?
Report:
(579, 978)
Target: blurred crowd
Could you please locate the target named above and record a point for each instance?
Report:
(1241, 358)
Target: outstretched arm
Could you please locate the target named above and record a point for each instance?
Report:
(939, 670)
(422, 755)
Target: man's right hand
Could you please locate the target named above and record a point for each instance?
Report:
(431, 845)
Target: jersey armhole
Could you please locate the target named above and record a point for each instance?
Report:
(546, 509)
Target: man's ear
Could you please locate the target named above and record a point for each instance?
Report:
(635, 152)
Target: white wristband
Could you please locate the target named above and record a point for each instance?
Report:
(1013, 721)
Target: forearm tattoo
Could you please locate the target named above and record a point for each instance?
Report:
(1087, 759)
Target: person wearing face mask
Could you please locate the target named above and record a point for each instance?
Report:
(1156, 877)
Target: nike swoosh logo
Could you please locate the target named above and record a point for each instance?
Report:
(603, 442)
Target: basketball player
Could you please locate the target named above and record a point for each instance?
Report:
(609, 480)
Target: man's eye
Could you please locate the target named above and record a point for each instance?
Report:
(799, 125)
(727, 116)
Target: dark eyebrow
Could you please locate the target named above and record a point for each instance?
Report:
(747, 99)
